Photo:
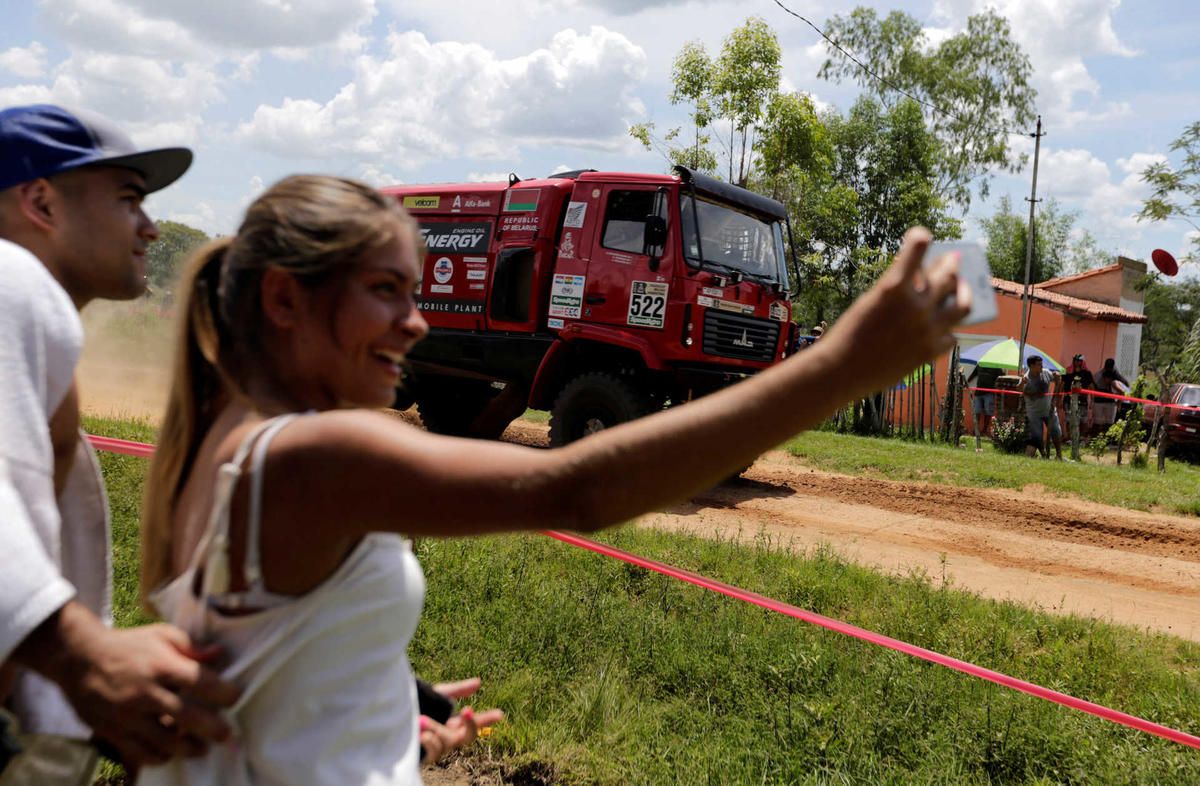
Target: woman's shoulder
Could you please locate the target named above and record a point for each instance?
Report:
(326, 433)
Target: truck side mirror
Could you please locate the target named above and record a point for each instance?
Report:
(654, 238)
(655, 233)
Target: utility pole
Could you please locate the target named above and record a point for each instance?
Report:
(1032, 200)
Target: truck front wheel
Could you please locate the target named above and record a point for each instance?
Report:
(593, 402)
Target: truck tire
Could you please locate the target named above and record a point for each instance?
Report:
(450, 405)
(592, 402)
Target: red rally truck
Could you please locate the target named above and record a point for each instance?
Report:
(600, 296)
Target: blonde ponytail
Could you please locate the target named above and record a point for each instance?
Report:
(198, 390)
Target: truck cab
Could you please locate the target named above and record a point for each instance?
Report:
(620, 292)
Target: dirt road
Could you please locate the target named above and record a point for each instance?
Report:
(1066, 556)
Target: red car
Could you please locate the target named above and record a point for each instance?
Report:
(1183, 418)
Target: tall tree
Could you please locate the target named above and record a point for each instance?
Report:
(1189, 361)
(164, 256)
(978, 78)
(734, 90)
(747, 78)
(865, 180)
(1007, 235)
(1171, 309)
(1177, 191)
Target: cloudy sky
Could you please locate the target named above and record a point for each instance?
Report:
(392, 91)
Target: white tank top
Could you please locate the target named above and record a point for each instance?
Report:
(328, 696)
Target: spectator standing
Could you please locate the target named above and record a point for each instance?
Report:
(1109, 380)
(1081, 374)
(285, 496)
(1037, 386)
(72, 230)
(983, 401)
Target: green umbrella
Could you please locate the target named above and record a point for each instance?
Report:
(1002, 353)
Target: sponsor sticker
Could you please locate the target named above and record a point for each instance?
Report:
(475, 261)
(566, 296)
(519, 223)
(713, 291)
(443, 270)
(476, 275)
(554, 322)
(422, 202)
(707, 302)
(566, 249)
(575, 213)
(476, 286)
(779, 311)
(471, 201)
(456, 238)
(620, 259)
(737, 308)
(521, 200)
(444, 289)
(647, 304)
(446, 306)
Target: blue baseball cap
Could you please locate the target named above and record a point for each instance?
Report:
(42, 140)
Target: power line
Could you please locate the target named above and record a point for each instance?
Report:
(879, 78)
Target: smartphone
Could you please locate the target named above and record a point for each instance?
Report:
(972, 268)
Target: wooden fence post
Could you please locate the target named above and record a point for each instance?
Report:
(1164, 440)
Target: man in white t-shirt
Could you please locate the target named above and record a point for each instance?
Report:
(72, 230)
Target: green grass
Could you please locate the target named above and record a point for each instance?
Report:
(1174, 491)
(611, 674)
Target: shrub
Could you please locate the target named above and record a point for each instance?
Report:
(1008, 435)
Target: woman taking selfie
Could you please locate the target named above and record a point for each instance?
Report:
(278, 497)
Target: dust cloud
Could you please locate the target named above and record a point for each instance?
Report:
(124, 371)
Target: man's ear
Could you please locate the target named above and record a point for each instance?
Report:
(281, 298)
(39, 202)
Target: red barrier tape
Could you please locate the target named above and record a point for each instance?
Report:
(1100, 393)
(1100, 711)
(113, 445)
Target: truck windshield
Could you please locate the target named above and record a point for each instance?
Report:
(732, 240)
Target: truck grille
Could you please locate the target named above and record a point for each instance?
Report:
(737, 336)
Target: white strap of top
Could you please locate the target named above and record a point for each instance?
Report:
(253, 563)
(213, 550)
(216, 535)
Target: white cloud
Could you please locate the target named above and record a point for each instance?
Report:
(1072, 175)
(204, 218)
(25, 94)
(256, 187)
(185, 28)
(427, 100)
(1058, 35)
(1109, 201)
(374, 176)
(26, 62)
(114, 26)
(489, 177)
(156, 101)
(626, 7)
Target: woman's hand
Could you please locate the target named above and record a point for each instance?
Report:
(906, 319)
(461, 729)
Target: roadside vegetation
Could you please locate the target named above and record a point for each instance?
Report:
(612, 674)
